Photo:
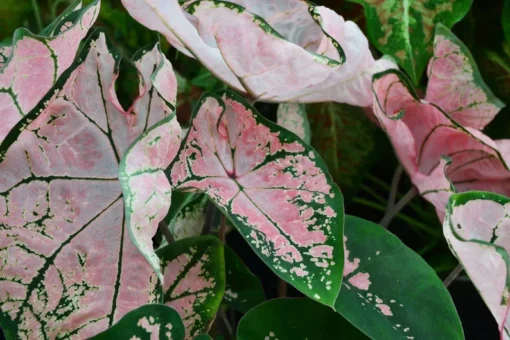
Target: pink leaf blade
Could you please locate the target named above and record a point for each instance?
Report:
(476, 228)
(245, 164)
(32, 65)
(61, 209)
(194, 284)
(456, 85)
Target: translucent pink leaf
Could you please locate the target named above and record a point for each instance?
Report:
(280, 51)
(422, 134)
(456, 85)
(69, 267)
(32, 65)
(194, 283)
(477, 228)
(274, 188)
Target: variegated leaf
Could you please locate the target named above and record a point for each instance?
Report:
(243, 289)
(274, 189)
(68, 266)
(194, 280)
(149, 322)
(294, 118)
(422, 135)
(190, 219)
(476, 228)
(32, 65)
(389, 292)
(404, 29)
(290, 35)
(291, 319)
(456, 85)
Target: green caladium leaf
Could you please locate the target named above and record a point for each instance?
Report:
(274, 188)
(194, 280)
(202, 337)
(345, 138)
(290, 319)
(293, 117)
(390, 292)
(149, 322)
(404, 29)
(243, 289)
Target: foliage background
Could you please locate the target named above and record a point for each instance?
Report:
(360, 156)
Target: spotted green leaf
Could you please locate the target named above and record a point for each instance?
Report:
(404, 29)
(189, 220)
(194, 280)
(293, 117)
(243, 290)
(390, 292)
(149, 322)
(291, 319)
(274, 188)
(346, 139)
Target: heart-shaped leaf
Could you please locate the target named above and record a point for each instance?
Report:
(274, 189)
(243, 290)
(69, 268)
(32, 65)
(456, 85)
(149, 322)
(194, 280)
(476, 228)
(389, 291)
(290, 319)
(190, 219)
(293, 117)
(404, 29)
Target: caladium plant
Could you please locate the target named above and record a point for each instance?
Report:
(424, 131)
(476, 230)
(69, 267)
(255, 47)
(33, 63)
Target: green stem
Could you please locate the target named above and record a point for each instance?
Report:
(37, 14)
(407, 219)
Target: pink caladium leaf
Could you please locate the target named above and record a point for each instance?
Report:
(149, 322)
(61, 205)
(477, 228)
(422, 135)
(194, 280)
(294, 118)
(32, 65)
(456, 85)
(274, 188)
(256, 46)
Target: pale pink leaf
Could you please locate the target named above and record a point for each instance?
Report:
(456, 85)
(275, 189)
(477, 228)
(69, 267)
(32, 65)
(294, 118)
(422, 134)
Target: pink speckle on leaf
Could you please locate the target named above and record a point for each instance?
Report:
(385, 309)
(360, 281)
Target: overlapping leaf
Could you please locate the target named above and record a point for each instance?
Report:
(274, 188)
(456, 85)
(405, 29)
(389, 292)
(149, 322)
(194, 280)
(476, 228)
(422, 134)
(243, 289)
(294, 118)
(68, 266)
(32, 65)
(256, 47)
(289, 319)
(190, 219)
